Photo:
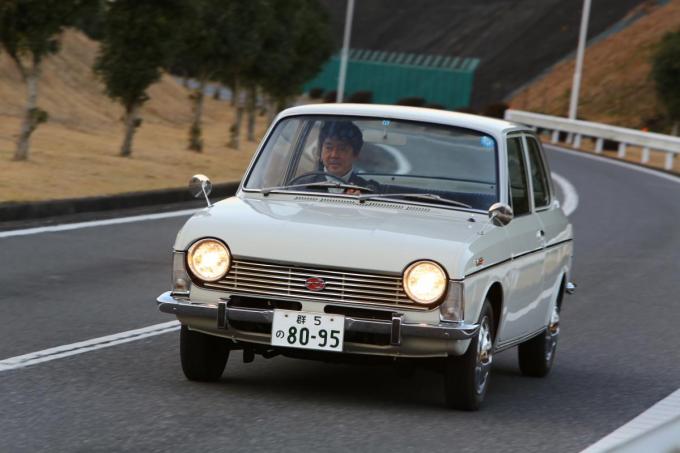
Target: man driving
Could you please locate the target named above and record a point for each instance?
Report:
(340, 143)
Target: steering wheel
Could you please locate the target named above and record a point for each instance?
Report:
(316, 173)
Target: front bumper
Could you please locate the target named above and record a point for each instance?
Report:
(405, 338)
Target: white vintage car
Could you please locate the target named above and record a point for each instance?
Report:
(387, 232)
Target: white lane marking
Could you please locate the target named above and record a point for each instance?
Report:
(403, 165)
(67, 350)
(96, 223)
(624, 164)
(570, 195)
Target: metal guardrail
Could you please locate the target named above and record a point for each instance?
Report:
(648, 141)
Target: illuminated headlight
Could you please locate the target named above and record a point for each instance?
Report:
(425, 282)
(209, 259)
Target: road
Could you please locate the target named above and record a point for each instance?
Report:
(618, 351)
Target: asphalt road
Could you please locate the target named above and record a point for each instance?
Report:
(617, 356)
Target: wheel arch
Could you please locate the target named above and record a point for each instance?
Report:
(560, 291)
(495, 296)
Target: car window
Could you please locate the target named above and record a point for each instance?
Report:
(519, 191)
(270, 168)
(539, 178)
(387, 156)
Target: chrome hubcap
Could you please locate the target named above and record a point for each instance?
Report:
(552, 334)
(484, 355)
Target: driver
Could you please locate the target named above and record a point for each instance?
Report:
(340, 143)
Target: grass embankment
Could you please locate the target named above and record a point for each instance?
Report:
(75, 154)
(616, 86)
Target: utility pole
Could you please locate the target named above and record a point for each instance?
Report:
(345, 51)
(576, 86)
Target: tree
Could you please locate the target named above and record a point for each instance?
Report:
(137, 43)
(249, 20)
(30, 31)
(666, 75)
(218, 40)
(297, 46)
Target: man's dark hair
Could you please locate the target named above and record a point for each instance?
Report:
(342, 130)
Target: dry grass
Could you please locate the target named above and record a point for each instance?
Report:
(616, 87)
(75, 154)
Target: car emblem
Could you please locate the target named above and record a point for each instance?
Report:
(315, 284)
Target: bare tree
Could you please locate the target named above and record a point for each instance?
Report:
(30, 31)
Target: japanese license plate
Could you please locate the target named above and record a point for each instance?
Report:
(299, 329)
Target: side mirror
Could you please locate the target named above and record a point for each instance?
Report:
(200, 185)
(500, 214)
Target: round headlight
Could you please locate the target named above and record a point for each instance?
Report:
(209, 259)
(425, 282)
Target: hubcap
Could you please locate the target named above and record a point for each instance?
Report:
(484, 355)
(552, 334)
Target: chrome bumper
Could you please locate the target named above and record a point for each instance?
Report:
(222, 315)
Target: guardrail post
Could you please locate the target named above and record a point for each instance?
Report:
(599, 144)
(577, 141)
(622, 150)
(645, 155)
(669, 161)
(555, 136)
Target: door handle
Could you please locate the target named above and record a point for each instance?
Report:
(540, 234)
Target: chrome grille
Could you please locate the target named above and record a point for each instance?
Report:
(248, 277)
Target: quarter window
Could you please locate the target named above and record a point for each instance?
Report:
(539, 178)
(519, 191)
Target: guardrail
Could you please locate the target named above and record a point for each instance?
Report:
(648, 141)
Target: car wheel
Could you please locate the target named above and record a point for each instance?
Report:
(537, 355)
(466, 377)
(203, 356)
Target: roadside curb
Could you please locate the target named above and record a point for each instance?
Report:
(10, 212)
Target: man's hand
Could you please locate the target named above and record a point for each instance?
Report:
(353, 191)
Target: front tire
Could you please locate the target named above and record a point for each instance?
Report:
(466, 377)
(203, 356)
(537, 355)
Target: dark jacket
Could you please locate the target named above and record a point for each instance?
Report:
(353, 179)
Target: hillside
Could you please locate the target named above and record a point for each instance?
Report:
(75, 153)
(516, 40)
(616, 87)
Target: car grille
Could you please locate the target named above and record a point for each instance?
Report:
(272, 280)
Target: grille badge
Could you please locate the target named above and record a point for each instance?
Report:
(315, 284)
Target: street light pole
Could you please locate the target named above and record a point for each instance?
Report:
(345, 51)
(576, 86)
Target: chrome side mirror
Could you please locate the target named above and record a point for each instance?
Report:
(200, 184)
(500, 214)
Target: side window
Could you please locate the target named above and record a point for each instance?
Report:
(539, 179)
(519, 190)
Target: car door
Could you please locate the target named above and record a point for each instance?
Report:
(523, 313)
(552, 219)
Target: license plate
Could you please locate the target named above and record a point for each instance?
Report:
(299, 329)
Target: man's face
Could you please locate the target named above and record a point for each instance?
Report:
(337, 156)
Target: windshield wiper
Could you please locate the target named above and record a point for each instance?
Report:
(322, 184)
(417, 196)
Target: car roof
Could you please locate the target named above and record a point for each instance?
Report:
(466, 120)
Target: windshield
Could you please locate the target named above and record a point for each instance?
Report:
(377, 158)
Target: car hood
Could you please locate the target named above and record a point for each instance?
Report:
(339, 232)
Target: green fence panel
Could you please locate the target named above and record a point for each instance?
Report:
(392, 76)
